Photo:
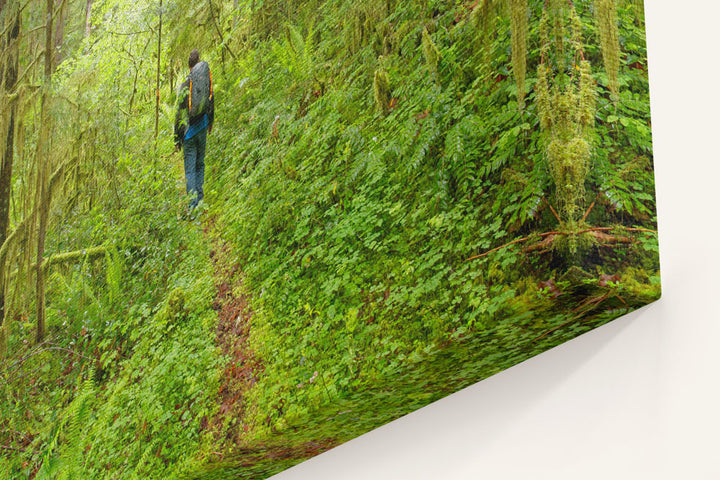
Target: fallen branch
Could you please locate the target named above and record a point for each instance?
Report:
(89, 253)
(22, 226)
(596, 231)
(605, 238)
(592, 301)
(11, 374)
(545, 243)
(5, 447)
(586, 306)
(607, 229)
(519, 240)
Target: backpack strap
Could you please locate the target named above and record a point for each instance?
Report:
(211, 83)
(190, 96)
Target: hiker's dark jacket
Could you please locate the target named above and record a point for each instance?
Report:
(181, 116)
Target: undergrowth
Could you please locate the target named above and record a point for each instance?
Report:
(362, 154)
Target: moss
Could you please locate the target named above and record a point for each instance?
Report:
(557, 9)
(482, 21)
(382, 91)
(576, 276)
(542, 98)
(431, 53)
(587, 96)
(519, 25)
(566, 112)
(174, 308)
(637, 287)
(606, 22)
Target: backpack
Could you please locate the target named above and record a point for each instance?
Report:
(201, 90)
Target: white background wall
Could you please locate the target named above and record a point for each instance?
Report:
(638, 398)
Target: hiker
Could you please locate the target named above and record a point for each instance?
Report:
(193, 122)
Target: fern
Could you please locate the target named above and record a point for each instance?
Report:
(462, 152)
(63, 456)
(429, 134)
(296, 54)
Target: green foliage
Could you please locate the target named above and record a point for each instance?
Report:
(432, 55)
(150, 416)
(352, 228)
(606, 20)
(566, 111)
(382, 91)
(519, 22)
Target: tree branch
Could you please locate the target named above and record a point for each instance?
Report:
(66, 257)
(592, 205)
(552, 209)
(5, 447)
(222, 39)
(596, 231)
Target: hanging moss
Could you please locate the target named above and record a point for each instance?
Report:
(483, 15)
(587, 94)
(382, 91)
(638, 9)
(432, 55)
(353, 30)
(519, 25)
(606, 21)
(482, 20)
(576, 37)
(385, 38)
(569, 164)
(542, 98)
(365, 23)
(566, 112)
(544, 29)
(556, 10)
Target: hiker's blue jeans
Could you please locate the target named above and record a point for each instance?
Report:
(194, 153)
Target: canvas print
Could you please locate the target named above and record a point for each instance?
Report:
(235, 234)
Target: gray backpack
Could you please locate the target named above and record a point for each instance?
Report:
(201, 90)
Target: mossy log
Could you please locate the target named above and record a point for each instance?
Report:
(89, 253)
(68, 257)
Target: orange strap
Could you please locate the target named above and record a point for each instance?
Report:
(190, 97)
(211, 87)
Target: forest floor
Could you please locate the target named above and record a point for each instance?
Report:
(242, 367)
(238, 455)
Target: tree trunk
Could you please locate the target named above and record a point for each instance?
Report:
(43, 194)
(88, 18)
(157, 79)
(10, 74)
(60, 30)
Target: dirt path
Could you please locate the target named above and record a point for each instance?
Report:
(243, 367)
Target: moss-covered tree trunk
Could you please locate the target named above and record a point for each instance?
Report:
(44, 166)
(157, 78)
(88, 17)
(9, 78)
(61, 16)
